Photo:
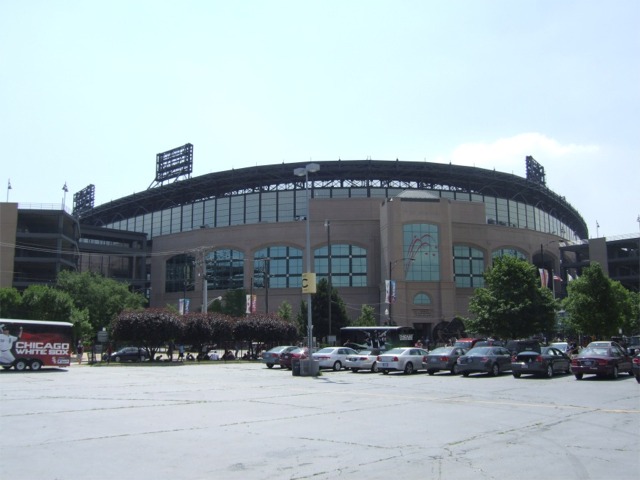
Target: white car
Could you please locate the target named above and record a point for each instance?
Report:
(403, 359)
(333, 357)
(363, 360)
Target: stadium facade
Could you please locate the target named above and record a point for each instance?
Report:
(431, 229)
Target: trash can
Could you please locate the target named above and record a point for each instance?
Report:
(295, 367)
(304, 368)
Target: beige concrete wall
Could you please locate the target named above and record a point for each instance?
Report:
(8, 229)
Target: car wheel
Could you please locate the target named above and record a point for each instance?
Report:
(35, 365)
(516, 375)
(385, 372)
(117, 359)
(374, 367)
(269, 365)
(495, 370)
(408, 368)
(579, 376)
(431, 372)
(20, 365)
(337, 366)
(354, 370)
(549, 371)
(465, 374)
(615, 372)
(454, 369)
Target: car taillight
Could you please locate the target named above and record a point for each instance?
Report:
(395, 359)
(574, 361)
(444, 359)
(636, 360)
(539, 359)
(603, 361)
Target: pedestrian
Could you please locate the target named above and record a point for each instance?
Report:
(79, 351)
(170, 351)
(181, 353)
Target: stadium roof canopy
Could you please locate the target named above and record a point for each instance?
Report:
(342, 174)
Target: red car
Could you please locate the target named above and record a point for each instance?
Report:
(286, 358)
(604, 359)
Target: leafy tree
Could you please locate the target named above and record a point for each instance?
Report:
(266, 329)
(367, 317)
(235, 302)
(40, 302)
(512, 304)
(151, 328)
(206, 329)
(320, 311)
(10, 303)
(285, 311)
(103, 298)
(595, 305)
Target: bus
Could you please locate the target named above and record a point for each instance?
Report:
(34, 344)
(382, 337)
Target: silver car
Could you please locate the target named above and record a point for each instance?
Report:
(363, 360)
(402, 359)
(444, 358)
(333, 357)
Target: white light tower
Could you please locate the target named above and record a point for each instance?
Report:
(304, 172)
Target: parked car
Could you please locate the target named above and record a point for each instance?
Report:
(546, 363)
(467, 343)
(517, 346)
(363, 360)
(562, 346)
(489, 342)
(636, 367)
(491, 360)
(633, 345)
(130, 354)
(604, 359)
(444, 358)
(300, 353)
(333, 357)
(402, 359)
(272, 357)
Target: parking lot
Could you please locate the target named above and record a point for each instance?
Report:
(242, 420)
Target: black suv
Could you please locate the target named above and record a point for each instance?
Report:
(517, 346)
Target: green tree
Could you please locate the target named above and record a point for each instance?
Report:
(235, 302)
(10, 303)
(265, 329)
(151, 328)
(367, 317)
(103, 298)
(512, 304)
(285, 311)
(595, 305)
(320, 311)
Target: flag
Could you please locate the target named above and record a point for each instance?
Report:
(390, 291)
(556, 277)
(9, 188)
(64, 188)
(183, 306)
(251, 303)
(544, 277)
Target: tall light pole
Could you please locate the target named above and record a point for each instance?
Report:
(304, 172)
(327, 224)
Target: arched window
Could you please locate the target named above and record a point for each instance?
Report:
(180, 273)
(421, 251)
(277, 267)
(508, 251)
(468, 266)
(348, 265)
(225, 269)
(422, 299)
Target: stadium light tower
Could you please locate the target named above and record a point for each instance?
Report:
(304, 172)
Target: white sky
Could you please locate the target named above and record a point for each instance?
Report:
(91, 91)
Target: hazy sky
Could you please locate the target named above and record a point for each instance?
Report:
(91, 91)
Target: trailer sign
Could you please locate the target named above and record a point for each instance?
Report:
(34, 344)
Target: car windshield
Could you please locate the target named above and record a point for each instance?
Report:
(396, 351)
(441, 351)
(479, 351)
(597, 351)
(326, 350)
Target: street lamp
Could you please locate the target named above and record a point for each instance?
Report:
(391, 265)
(304, 172)
(327, 224)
